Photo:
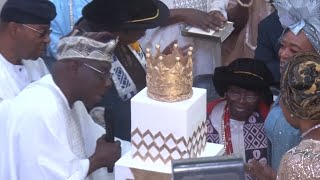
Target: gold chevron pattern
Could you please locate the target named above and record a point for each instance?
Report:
(156, 151)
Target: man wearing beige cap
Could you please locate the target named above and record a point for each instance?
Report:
(46, 132)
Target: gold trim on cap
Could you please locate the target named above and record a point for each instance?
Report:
(244, 72)
(145, 19)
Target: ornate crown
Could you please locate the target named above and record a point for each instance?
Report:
(169, 77)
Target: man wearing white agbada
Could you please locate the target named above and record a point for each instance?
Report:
(24, 35)
(46, 132)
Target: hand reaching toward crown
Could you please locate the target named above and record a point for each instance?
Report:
(169, 49)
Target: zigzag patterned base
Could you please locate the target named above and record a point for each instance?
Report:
(156, 147)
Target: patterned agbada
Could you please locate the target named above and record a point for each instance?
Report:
(300, 89)
(254, 138)
(242, 134)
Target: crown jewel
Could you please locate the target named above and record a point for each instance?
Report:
(169, 77)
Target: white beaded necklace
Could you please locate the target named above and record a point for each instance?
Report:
(309, 130)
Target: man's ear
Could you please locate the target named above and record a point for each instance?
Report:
(13, 28)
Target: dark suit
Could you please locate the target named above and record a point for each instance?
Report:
(268, 43)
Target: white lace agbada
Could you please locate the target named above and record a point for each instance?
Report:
(42, 138)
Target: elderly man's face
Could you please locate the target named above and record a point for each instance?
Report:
(95, 80)
(32, 40)
(241, 102)
(292, 44)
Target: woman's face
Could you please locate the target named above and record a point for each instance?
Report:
(241, 102)
(292, 44)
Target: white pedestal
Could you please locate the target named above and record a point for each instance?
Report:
(127, 168)
(162, 131)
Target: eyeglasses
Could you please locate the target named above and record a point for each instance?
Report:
(235, 97)
(42, 34)
(104, 75)
(95, 69)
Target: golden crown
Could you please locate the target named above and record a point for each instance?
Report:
(169, 77)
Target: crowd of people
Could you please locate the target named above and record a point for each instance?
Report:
(68, 66)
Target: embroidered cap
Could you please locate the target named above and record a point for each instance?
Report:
(88, 45)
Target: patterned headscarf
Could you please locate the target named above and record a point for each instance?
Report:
(298, 15)
(300, 86)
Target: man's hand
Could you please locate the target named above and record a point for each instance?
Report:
(105, 155)
(213, 20)
(218, 18)
(260, 171)
(169, 49)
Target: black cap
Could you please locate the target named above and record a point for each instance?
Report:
(126, 14)
(28, 11)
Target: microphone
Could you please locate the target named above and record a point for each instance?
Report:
(109, 124)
